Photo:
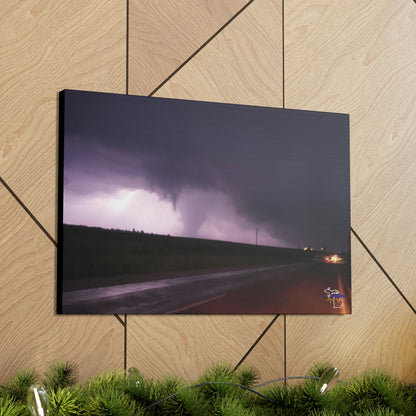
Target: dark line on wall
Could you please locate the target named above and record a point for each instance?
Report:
(120, 320)
(283, 54)
(125, 342)
(28, 212)
(127, 47)
(383, 270)
(256, 342)
(284, 346)
(283, 105)
(200, 48)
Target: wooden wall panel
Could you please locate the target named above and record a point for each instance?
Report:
(187, 345)
(32, 335)
(359, 58)
(241, 65)
(355, 57)
(47, 46)
(267, 357)
(380, 333)
(164, 33)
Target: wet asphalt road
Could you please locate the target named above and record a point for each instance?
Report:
(292, 288)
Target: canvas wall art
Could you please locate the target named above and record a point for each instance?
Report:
(173, 206)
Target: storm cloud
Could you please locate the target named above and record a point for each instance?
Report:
(285, 172)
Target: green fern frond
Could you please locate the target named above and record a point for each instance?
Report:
(247, 376)
(111, 402)
(233, 407)
(338, 400)
(375, 393)
(375, 389)
(378, 412)
(60, 375)
(62, 403)
(220, 379)
(144, 391)
(186, 403)
(114, 379)
(318, 369)
(283, 398)
(19, 384)
(219, 372)
(309, 398)
(80, 394)
(168, 385)
(4, 392)
(325, 412)
(262, 411)
(8, 407)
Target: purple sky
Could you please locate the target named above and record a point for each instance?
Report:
(207, 170)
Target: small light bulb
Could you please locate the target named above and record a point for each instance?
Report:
(37, 400)
(328, 379)
(134, 376)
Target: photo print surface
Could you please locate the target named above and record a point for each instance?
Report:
(173, 206)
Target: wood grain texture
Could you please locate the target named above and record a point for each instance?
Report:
(242, 65)
(32, 334)
(267, 357)
(380, 333)
(359, 58)
(44, 48)
(187, 345)
(355, 57)
(164, 33)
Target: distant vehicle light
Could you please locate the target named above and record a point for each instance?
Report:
(333, 259)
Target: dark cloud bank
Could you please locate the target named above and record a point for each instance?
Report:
(287, 170)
